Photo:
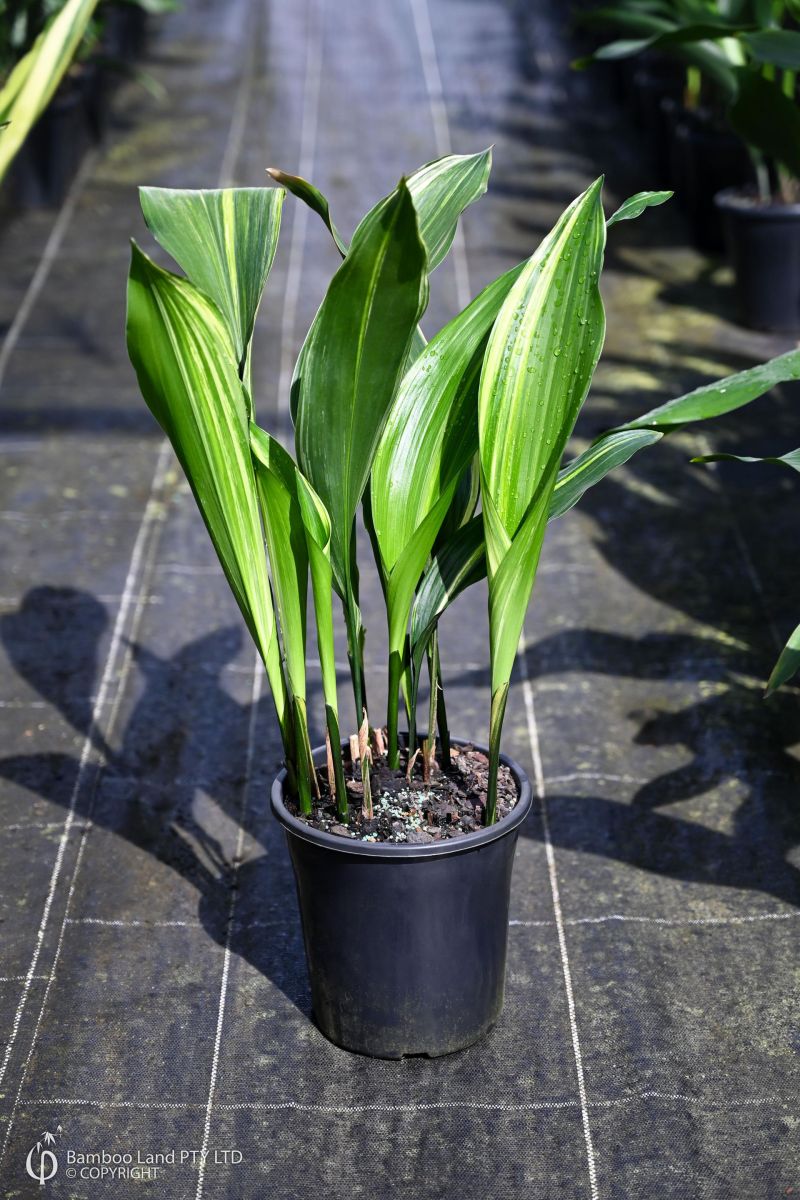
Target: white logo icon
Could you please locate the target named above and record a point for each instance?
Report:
(41, 1163)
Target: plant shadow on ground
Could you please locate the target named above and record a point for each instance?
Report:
(185, 737)
(668, 533)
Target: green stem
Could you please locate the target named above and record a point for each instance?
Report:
(352, 619)
(441, 718)
(412, 715)
(762, 174)
(393, 709)
(694, 83)
(335, 738)
(788, 82)
(499, 699)
(433, 675)
(304, 766)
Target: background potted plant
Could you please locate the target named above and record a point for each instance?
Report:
(402, 847)
(695, 150)
(56, 60)
(742, 58)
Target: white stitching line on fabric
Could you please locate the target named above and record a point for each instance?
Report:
(153, 516)
(49, 255)
(432, 75)
(533, 735)
(421, 1106)
(223, 989)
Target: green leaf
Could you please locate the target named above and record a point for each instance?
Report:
(313, 197)
(276, 480)
(225, 241)
(298, 532)
(441, 190)
(430, 438)
(722, 396)
(35, 78)
(464, 503)
(186, 367)
(594, 464)
(791, 459)
(680, 35)
(538, 366)
(787, 665)
(357, 346)
(766, 119)
(776, 47)
(657, 29)
(539, 362)
(461, 560)
(634, 206)
(459, 563)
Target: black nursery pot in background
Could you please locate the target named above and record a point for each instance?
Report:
(764, 247)
(43, 170)
(705, 159)
(405, 944)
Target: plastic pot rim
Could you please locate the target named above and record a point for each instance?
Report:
(730, 199)
(401, 850)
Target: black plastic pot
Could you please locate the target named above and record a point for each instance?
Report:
(126, 30)
(705, 159)
(764, 246)
(43, 170)
(405, 944)
(96, 96)
(651, 86)
(66, 130)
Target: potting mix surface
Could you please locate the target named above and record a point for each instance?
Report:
(415, 804)
(153, 991)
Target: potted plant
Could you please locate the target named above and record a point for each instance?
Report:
(35, 72)
(762, 223)
(746, 55)
(418, 829)
(696, 152)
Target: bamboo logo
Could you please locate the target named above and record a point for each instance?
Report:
(41, 1163)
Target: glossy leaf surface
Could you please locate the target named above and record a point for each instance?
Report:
(634, 206)
(186, 367)
(225, 241)
(352, 361)
(35, 78)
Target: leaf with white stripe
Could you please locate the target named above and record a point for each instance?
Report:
(539, 362)
(634, 206)
(440, 190)
(186, 367)
(721, 397)
(594, 464)
(225, 241)
(430, 439)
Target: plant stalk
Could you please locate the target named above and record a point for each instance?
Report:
(304, 765)
(433, 675)
(499, 700)
(393, 710)
(355, 657)
(335, 749)
(441, 718)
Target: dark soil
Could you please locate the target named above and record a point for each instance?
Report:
(414, 811)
